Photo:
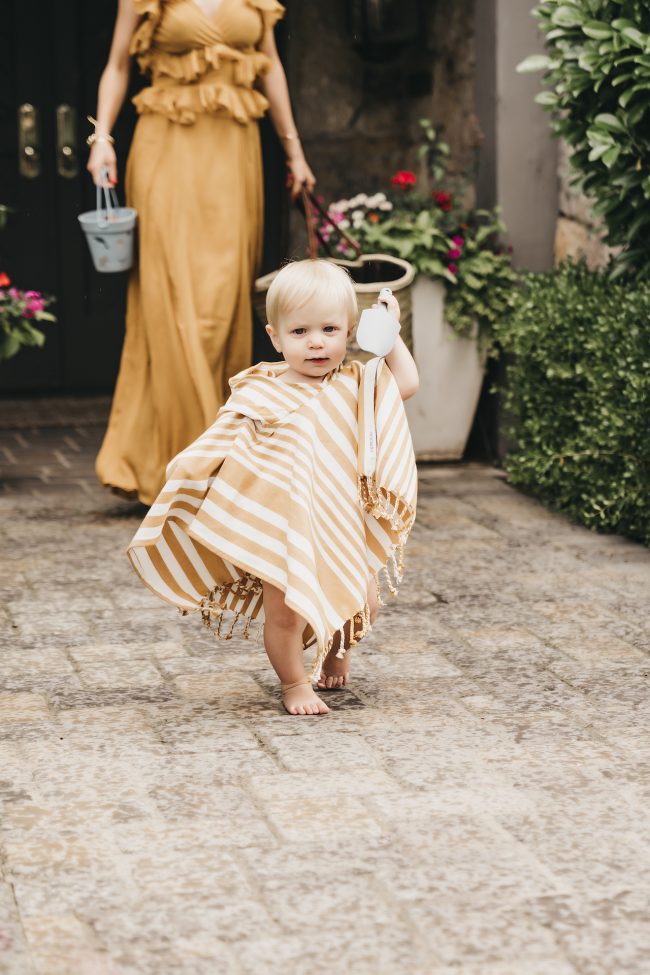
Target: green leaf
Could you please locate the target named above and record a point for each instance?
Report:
(567, 16)
(610, 157)
(635, 36)
(547, 98)
(609, 121)
(598, 151)
(534, 62)
(597, 29)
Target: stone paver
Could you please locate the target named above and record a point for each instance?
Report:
(476, 804)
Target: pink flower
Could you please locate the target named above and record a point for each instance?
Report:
(458, 240)
(454, 254)
(452, 267)
(13, 293)
(35, 305)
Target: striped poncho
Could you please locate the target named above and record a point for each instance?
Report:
(310, 488)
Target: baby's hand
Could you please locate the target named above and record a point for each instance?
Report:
(391, 303)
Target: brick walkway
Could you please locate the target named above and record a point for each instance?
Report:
(476, 804)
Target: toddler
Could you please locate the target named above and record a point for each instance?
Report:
(298, 500)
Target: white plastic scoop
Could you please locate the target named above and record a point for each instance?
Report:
(377, 330)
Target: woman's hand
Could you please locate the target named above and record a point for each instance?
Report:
(300, 175)
(102, 156)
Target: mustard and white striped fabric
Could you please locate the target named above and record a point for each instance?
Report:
(310, 488)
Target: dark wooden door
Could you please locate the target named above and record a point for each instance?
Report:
(52, 53)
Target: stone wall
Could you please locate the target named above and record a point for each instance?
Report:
(579, 232)
(355, 137)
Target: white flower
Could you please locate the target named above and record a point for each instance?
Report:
(373, 201)
(344, 224)
(360, 198)
(357, 215)
(386, 206)
(340, 206)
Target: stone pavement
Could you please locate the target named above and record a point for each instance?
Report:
(475, 804)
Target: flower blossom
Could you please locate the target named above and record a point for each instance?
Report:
(404, 178)
(454, 254)
(452, 267)
(4, 279)
(442, 199)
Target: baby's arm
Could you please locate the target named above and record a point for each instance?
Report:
(399, 360)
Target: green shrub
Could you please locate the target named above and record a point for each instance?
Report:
(578, 385)
(598, 70)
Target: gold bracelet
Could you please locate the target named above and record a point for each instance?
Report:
(95, 136)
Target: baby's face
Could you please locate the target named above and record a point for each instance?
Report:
(313, 339)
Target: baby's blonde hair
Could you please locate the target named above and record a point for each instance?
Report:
(297, 283)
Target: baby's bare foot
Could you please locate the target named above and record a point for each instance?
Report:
(299, 698)
(335, 672)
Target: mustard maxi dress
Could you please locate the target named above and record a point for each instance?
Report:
(194, 174)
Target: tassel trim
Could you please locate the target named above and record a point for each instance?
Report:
(221, 602)
(383, 504)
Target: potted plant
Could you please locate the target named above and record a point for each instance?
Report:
(464, 285)
(20, 311)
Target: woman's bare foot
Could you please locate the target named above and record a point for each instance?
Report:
(300, 698)
(335, 671)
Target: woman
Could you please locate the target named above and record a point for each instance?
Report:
(194, 175)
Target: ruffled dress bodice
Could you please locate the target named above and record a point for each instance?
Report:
(200, 63)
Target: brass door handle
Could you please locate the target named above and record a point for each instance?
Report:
(67, 157)
(29, 148)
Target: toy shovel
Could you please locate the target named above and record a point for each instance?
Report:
(377, 330)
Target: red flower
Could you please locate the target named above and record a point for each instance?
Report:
(404, 178)
(454, 254)
(443, 200)
(373, 217)
(452, 267)
(5, 280)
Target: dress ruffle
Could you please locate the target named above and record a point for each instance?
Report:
(271, 11)
(141, 40)
(182, 103)
(191, 65)
(177, 90)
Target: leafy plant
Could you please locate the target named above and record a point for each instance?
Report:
(429, 227)
(597, 73)
(19, 310)
(578, 384)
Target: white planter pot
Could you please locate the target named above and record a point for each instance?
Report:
(451, 375)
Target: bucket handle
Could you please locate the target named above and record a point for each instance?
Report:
(110, 200)
(307, 203)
